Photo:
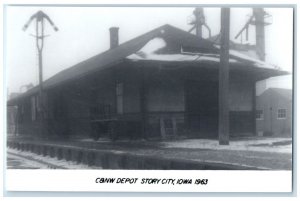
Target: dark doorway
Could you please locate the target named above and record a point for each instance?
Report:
(202, 108)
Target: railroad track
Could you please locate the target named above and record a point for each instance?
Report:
(36, 161)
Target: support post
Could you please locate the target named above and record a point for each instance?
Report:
(143, 102)
(260, 32)
(41, 98)
(254, 107)
(199, 21)
(198, 29)
(224, 78)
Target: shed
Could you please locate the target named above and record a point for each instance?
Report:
(274, 112)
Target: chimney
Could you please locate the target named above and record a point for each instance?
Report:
(114, 37)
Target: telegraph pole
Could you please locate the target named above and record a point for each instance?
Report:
(224, 78)
(40, 18)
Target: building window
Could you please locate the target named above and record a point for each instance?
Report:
(259, 114)
(119, 91)
(281, 114)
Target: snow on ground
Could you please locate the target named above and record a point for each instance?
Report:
(92, 140)
(264, 145)
(17, 162)
(36, 158)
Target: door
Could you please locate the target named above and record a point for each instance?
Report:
(202, 108)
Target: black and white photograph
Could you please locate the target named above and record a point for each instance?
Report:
(149, 88)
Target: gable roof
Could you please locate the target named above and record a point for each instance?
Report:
(279, 92)
(112, 56)
(285, 93)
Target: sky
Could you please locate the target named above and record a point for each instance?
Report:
(84, 32)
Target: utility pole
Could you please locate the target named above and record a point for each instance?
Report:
(224, 78)
(40, 18)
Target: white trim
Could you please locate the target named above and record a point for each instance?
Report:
(261, 115)
(281, 113)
